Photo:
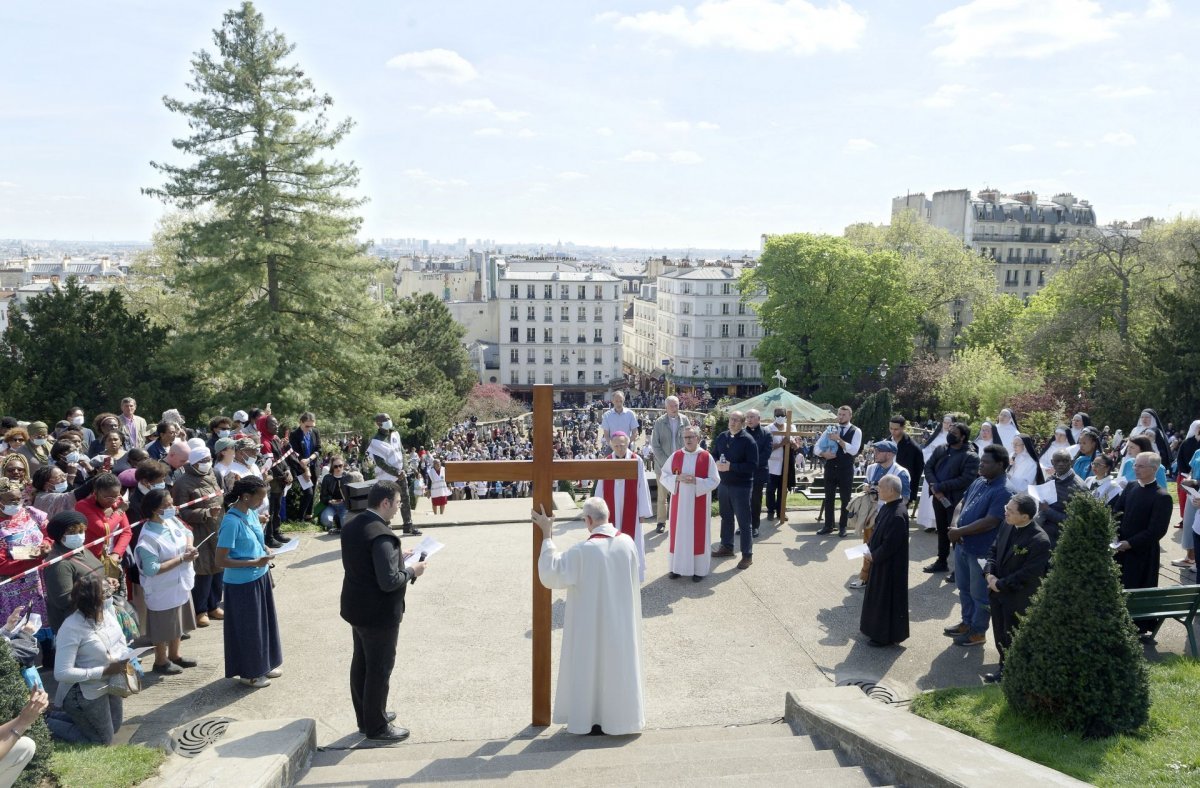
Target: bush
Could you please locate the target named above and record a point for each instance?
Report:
(1075, 659)
(13, 697)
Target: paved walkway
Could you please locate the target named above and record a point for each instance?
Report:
(721, 651)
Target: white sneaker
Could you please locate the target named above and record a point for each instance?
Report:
(274, 674)
(1183, 562)
(258, 683)
(856, 583)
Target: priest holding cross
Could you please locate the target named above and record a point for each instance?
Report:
(542, 470)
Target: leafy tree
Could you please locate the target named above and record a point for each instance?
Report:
(872, 416)
(269, 257)
(1173, 346)
(916, 383)
(939, 270)
(978, 383)
(490, 402)
(832, 309)
(1075, 659)
(73, 346)
(993, 324)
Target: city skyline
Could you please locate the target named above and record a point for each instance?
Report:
(633, 123)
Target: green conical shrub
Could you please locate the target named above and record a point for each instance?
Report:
(1075, 658)
(13, 697)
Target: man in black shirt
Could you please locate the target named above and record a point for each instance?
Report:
(373, 604)
(908, 454)
(736, 454)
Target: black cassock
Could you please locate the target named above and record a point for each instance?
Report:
(1145, 517)
(885, 606)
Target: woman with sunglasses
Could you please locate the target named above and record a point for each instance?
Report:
(334, 496)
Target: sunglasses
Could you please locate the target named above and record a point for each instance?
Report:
(17, 440)
(335, 467)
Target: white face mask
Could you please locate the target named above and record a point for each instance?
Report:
(204, 467)
(10, 509)
(61, 487)
(77, 421)
(39, 442)
(387, 425)
(73, 457)
(780, 420)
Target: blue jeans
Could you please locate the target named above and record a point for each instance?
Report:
(330, 511)
(735, 502)
(972, 590)
(1188, 539)
(207, 592)
(82, 720)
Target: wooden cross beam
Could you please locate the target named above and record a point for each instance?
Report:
(542, 470)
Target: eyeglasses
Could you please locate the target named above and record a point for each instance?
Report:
(335, 467)
(16, 440)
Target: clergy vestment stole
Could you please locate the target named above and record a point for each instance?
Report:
(629, 512)
(699, 512)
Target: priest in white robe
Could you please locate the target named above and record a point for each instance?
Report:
(600, 672)
(628, 502)
(691, 476)
(925, 517)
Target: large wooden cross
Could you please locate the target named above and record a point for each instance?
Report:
(542, 470)
(787, 436)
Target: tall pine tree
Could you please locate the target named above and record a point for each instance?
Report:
(270, 258)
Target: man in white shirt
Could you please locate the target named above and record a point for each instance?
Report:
(387, 453)
(839, 468)
(618, 418)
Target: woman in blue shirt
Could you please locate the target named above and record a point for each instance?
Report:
(253, 650)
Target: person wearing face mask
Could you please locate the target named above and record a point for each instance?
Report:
(334, 496)
(218, 427)
(106, 520)
(52, 492)
(75, 417)
(165, 558)
(36, 448)
(780, 479)
(197, 481)
(23, 545)
(223, 457)
(253, 649)
(66, 458)
(387, 453)
(66, 529)
(951, 469)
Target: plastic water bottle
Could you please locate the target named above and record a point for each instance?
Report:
(723, 460)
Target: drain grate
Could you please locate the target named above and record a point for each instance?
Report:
(199, 735)
(872, 690)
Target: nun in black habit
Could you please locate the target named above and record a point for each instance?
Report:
(1150, 424)
(884, 617)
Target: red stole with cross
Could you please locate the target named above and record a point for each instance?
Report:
(629, 512)
(699, 511)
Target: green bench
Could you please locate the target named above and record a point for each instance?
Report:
(1177, 602)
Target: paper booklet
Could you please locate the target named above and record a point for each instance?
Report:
(862, 551)
(1044, 492)
(428, 545)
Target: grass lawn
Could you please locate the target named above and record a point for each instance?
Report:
(1165, 752)
(104, 767)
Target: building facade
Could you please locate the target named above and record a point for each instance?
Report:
(560, 327)
(1028, 240)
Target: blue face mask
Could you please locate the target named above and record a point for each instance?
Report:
(73, 541)
(61, 487)
(159, 486)
(223, 433)
(168, 513)
(11, 509)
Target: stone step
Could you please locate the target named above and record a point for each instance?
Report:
(560, 741)
(550, 769)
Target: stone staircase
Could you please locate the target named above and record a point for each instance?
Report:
(759, 754)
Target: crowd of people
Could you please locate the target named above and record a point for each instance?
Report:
(119, 536)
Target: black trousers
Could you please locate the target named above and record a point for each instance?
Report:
(371, 675)
(405, 499)
(306, 503)
(1004, 620)
(839, 478)
(942, 515)
(273, 502)
(776, 497)
(756, 496)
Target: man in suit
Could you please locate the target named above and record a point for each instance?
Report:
(1014, 570)
(133, 427)
(306, 450)
(762, 437)
(839, 468)
(1144, 511)
(372, 603)
(666, 437)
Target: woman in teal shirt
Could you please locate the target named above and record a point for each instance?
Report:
(253, 650)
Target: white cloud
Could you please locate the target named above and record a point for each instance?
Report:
(526, 134)
(945, 96)
(1064, 144)
(422, 177)
(859, 145)
(707, 125)
(1122, 92)
(604, 131)
(686, 157)
(1158, 9)
(1022, 28)
(640, 156)
(1020, 147)
(464, 107)
(798, 26)
(488, 132)
(7, 185)
(1121, 139)
(571, 175)
(436, 64)
(678, 125)
(511, 115)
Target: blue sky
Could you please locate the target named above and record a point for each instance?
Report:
(630, 122)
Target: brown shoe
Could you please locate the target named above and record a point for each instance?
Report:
(745, 563)
(722, 552)
(202, 620)
(977, 639)
(217, 615)
(955, 631)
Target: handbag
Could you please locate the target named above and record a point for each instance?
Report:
(127, 682)
(112, 566)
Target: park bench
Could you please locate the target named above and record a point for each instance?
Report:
(1177, 602)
